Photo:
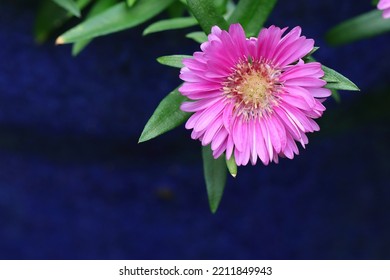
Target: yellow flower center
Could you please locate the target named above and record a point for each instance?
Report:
(254, 88)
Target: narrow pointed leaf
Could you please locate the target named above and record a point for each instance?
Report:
(70, 6)
(130, 3)
(51, 16)
(98, 8)
(198, 36)
(232, 166)
(116, 18)
(221, 6)
(207, 14)
(336, 95)
(169, 24)
(166, 117)
(177, 9)
(337, 81)
(308, 58)
(173, 60)
(81, 4)
(230, 7)
(312, 51)
(360, 27)
(215, 172)
(334, 80)
(252, 14)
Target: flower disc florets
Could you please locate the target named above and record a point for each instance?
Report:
(253, 88)
(253, 97)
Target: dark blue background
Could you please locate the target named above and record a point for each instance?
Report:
(75, 184)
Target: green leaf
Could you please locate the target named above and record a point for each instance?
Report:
(336, 95)
(232, 166)
(116, 18)
(230, 7)
(252, 14)
(70, 6)
(81, 4)
(360, 27)
(173, 60)
(215, 176)
(98, 8)
(169, 24)
(51, 16)
(221, 6)
(166, 117)
(198, 36)
(130, 3)
(308, 58)
(333, 79)
(313, 51)
(207, 14)
(337, 81)
(177, 9)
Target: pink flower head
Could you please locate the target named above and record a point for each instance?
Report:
(385, 6)
(253, 98)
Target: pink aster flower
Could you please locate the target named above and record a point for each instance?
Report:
(253, 98)
(385, 6)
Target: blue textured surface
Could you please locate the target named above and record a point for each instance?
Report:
(75, 184)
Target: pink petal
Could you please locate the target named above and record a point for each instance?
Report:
(386, 13)
(227, 116)
(288, 122)
(218, 152)
(194, 64)
(219, 139)
(238, 37)
(197, 135)
(212, 130)
(253, 142)
(209, 115)
(237, 133)
(296, 101)
(384, 4)
(278, 127)
(287, 109)
(268, 42)
(229, 147)
(199, 105)
(199, 87)
(202, 94)
(320, 92)
(294, 51)
(267, 138)
(192, 120)
(238, 157)
(260, 145)
(312, 69)
(247, 146)
(305, 82)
